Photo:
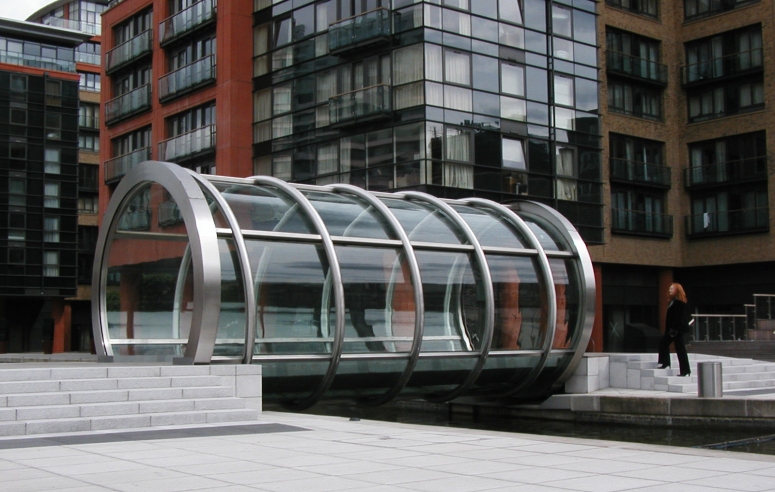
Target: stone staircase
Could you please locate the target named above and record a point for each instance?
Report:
(55, 399)
(639, 371)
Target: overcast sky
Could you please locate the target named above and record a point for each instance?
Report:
(21, 9)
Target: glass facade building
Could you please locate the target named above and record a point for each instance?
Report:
(489, 98)
(341, 292)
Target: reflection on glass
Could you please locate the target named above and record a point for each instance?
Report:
(454, 305)
(422, 223)
(491, 229)
(568, 303)
(230, 339)
(294, 298)
(379, 299)
(144, 277)
(348, 216)
(519, 315)
(264, 209)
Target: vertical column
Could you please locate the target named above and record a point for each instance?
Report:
(596, 339)
(62, 314)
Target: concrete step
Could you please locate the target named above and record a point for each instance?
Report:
(105, 396)
(54, 426)
(41, 386)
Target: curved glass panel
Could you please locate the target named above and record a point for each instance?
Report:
(549, 240)
(348, 216)
(454, 302)
(218, 218)
(232, 321)
(261, 208)
(519, 311)
(503, 373)
(379, 299)
(567, 290)
(423, 223)
(143, 275)
(491, 229)
(293, 300)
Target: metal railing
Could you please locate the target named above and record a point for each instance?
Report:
(642, 223)
(75, 25)
(360, 29)
(727, 172)
(361, 103)
(129, 50)
(128, 104)
(188, 144)
(735, 63)
(117, 167)
(634, 66)
(719, 327)
(186, 20)
(90, 58)
(640, 172)
(728, 221)
(187, 78)
(92, 121)
(37, 61)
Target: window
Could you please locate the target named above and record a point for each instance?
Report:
(17, 190)
(634, 55)
(642, 7)
(187, 54)
(53, 92)
(512, 79)
(18, 83)
(510, 11)
(565, 165)
(728, 160)
(695, 9)
(52, 160)
(129, 142)
(635, 100)
(563, 90)
(51, 263)
(89, 142)
(16, 255)
(51, 229)
(88, 204)
(725, 54)
(53, 126)
(88, 52)
(51, 195)
(89, 116)
(17, 116)
(17, 235)
(17, 148)
(728, 99)
(90, 82)
(129, 81)
(513, 154)
(135, 26)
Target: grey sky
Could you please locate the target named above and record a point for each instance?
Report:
(21, 9)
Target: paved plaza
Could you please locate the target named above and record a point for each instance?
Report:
(289, 452)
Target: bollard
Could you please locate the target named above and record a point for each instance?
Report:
(709, 382)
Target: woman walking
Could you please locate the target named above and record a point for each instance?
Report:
(675, 327)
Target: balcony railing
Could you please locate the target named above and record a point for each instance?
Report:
(188, 145)
(359, 30)
(733, 64)
(728, 222)
(75, 25)
(90, 58)
(639, 68)
(117, 167)
(129, 51)
(187, 78)
(708, 9)
(625, 221)
(640, 172)
(187, 20)
(719, 327)
(359, 105)
(751, 169)
(37, 61)
(125, 105)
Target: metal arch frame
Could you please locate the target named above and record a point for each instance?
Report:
(573, 240)
(203, 242)
(244, 263)
(486, 279)
(546, 274)
(336, 274)
(419, 320)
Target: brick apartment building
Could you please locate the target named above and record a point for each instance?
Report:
(662, 166)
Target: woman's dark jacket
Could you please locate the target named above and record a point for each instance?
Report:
(675, 319)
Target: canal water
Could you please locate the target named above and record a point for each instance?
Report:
(742, 439)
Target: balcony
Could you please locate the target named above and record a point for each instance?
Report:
(129, 51)
(636, 68)
(117, 167)
(188, 78)
(129, 104)
(360, 105)
(90, 58)
(728, 222)
(730, 172)
(372, 27)
(735, 64)
(640, 172)
(37, 61)
(639, 223)
(187, 20)
(75, 25)
(188, 145)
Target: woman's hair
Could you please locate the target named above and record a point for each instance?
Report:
(680, 294)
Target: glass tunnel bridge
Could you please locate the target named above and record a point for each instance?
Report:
(341, 292)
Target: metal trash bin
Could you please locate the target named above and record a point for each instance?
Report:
(709, 383)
